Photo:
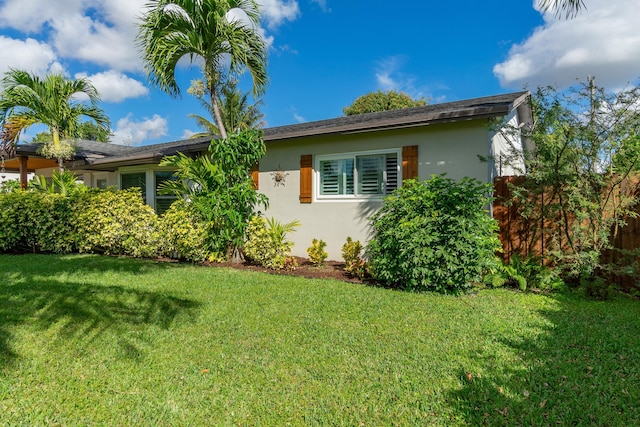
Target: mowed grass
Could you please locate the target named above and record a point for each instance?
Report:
(90, 340)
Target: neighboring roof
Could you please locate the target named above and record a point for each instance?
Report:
(102, 156)
(140, 155)
(469, 109)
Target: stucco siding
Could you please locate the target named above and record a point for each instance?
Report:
(451, 149)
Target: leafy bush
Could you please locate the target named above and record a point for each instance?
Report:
(64, 182)
(267, 244)
(317, 254)
(9, 185)
(524, 273)
(181, 234)
(219, 186)
(355, 266)
(36, 222)
(115, 222)
(434, 235)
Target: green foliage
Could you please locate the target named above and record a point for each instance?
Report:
(237, 113)
(267, 244)
(64, 182)
(317, 254)
(580, 182)
(181, 234)
(86, 130)
(434, 235)
(115, 222)
(524, 274)
(355, 265)
(382, 101)
(219, 186)
(28, 99)
(9, 185)
(201, 29)
(36, 222)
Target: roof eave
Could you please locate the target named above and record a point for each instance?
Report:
(477, 113)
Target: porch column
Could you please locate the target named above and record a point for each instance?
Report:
(23, 171)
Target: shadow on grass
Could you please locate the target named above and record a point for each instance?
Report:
(584, 370)
(29, 295)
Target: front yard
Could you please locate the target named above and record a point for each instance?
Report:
(91, 340)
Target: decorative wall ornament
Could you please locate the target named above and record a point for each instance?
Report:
(279, 177)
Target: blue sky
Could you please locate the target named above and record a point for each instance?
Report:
(325, 53)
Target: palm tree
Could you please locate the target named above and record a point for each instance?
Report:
(204, 29)
(570, 7)
(237, 114)
(27, 99)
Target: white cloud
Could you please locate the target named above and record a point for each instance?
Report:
(602, 40)
(276, 12)
(187, 133)
(322, 4)
(114, 86)
(390, 76)
(131, 132)
(84, 38)
(30, 55)
(30, 16)
(101, 32)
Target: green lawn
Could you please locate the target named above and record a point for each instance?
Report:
(90, 340)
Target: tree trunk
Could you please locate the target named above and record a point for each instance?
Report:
(211, 84)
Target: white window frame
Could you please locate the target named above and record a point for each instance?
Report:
(353, 155)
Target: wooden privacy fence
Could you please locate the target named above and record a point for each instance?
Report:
(533, 237)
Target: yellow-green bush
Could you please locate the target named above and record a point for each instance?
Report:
(317, 254)
(267, 245)
(35, 222)
(181, 234)
(116, 223)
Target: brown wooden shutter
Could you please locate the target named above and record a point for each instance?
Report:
(255, 177)
(306, 171)
(409, 162)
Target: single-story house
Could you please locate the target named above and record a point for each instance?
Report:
(331, 175)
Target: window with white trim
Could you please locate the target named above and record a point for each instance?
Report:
(357, 175)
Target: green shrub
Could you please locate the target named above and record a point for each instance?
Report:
(354, 265)
(35, 222)
(181, 234)
(267, 244)
(434, 235)
(524, 273)
(116, 223)
(317, 254)
(9, 185)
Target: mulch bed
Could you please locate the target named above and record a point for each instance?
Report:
(328, 270)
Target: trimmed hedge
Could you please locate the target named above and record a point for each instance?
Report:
(102, 221)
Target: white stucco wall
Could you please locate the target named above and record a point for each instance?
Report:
(446, 148)
(506, 148)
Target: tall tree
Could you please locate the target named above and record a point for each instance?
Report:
(237, 113)
(581, 184)
(209, 30)
(86, 130)
(27, 99)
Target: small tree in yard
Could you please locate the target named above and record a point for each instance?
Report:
(219, 188)
(582, 183)
(434, 235)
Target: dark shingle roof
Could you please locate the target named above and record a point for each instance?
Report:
(489, 106)
(469, 109)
